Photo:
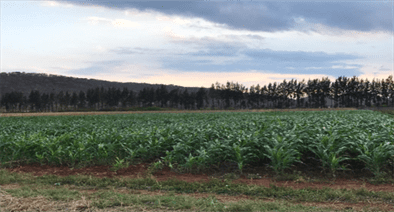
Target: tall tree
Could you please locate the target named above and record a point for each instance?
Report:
(162, 95)
(35, 99)
(213, 95)
(125, 94)
(143, 96)
(325, 91)
(45, 101)
(299, 91)
(101, 96)
(374, 92)
(131, 98)
(89, 97)
(174, 97)
(200, 96)
(74, 100)
(391, 89)
(81, 99)
(60, 99)
(51, 99)
(385, 91)
(67, 99)
(152, 97)
(264, 95)
(185, 101)
(5, 101)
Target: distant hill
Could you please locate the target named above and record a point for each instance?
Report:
(26, 82)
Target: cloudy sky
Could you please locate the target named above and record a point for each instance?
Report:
(197, 43)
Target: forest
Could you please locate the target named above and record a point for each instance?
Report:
(316, 93)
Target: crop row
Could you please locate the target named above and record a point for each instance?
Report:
(200, 140)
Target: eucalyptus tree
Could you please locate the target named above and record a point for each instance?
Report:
(201, 95)
(51, 100)
(391, 89)
(324, 86)
(335, 90)
(282, 91)
(185, 99)
(111, 97)
(162, 95)
(226, 91)
(192, 100)
(60, 99)
(359, 93)
(292, 92)
(299, 90)
(213, 94)
(243, 94)
(287, 92)
(379, 98)
(237, 93)
(74, 100)
(98, 96)
(102, 96)
(5, 101)
(67, 99)
(272, 94)
(311, 91)
(252, 97)
(24, 103)
(275, 94)
(367, 93)
(124, 95)
(351, 87)
(151, 96)
(174, 97)
(385, 92)
(44, 101)
(16, 99)
(13, 100)
(81, 99)
(89, 97)
(219, 90)
(141, 96)
(264, 95)
(375, 92)
(344, 91)
(255, 96)
(35, 99)
(131, 98)
(118, 96)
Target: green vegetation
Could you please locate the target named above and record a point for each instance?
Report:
(198, 141)
(107, 193)
(187, 142)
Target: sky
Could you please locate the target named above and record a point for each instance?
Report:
(197, 43)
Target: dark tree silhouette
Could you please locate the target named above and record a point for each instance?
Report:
(201, 95)
(35, 99)
(74, 100)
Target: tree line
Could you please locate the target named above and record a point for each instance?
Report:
(344, 92)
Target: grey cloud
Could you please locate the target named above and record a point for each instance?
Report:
(270, 16)
(268, 60)
(136, 50)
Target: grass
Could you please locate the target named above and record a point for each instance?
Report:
(108, 193)
(119, 194)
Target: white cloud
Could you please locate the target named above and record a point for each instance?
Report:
(55, 4)
(175, 20)
(97, 20)
(124, 23)
(169, 33)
